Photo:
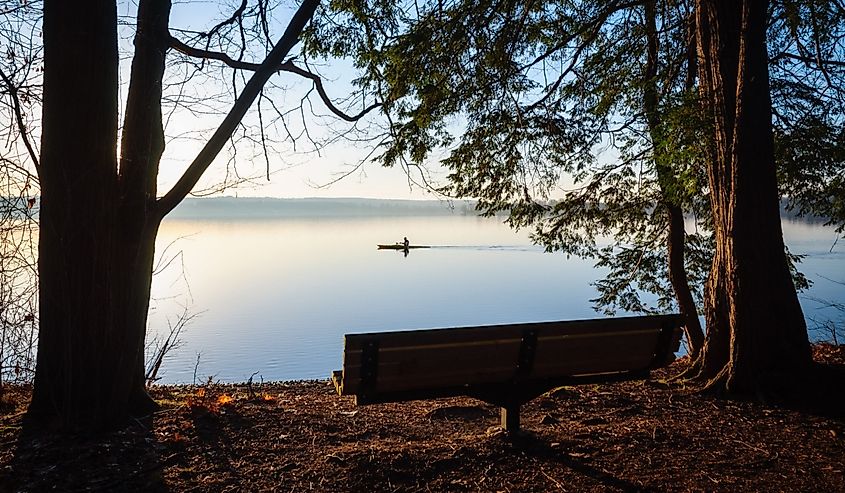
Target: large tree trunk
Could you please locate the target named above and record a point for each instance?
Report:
(98, 224)
(756, 333)
(676, 234)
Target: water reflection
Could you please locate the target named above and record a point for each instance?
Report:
(276, 295)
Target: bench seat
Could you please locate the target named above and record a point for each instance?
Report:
(505, 365)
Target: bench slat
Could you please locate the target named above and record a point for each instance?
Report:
(510, 331)
(600, 353)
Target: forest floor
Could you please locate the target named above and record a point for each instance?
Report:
(300, 436)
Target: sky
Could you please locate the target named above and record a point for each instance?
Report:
(296, 171)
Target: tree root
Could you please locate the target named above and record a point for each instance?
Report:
(142, 404)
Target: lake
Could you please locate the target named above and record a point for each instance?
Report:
(274, 284)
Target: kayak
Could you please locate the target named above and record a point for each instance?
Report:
(399, 246)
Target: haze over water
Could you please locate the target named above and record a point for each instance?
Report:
(275, 284)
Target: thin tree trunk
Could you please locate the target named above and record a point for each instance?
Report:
(675, 249)
(756, 333)
(141, 150)
(675, 236)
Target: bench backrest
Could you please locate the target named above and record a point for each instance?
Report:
(423, 359)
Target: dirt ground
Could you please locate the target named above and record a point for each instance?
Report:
(300, 436)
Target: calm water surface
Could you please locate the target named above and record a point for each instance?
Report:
(275, 295)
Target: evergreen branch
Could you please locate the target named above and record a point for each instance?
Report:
(594, 25)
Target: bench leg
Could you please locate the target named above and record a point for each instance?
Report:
(510, 418)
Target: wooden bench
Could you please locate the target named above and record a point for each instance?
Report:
(504, 365)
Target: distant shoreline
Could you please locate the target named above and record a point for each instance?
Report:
(268, 207)
(273, 207)
(276, 207)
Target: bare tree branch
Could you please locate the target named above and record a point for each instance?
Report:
(287, 66)
(810, 60)
(235, 17)
(212, 55)
(253, 88)
(13, 92)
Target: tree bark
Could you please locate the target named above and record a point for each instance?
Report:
(675, 250)
(141, 149)
(78, 184)
(756, 333)
(676, 235)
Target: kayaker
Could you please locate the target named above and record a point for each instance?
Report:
(406, 243)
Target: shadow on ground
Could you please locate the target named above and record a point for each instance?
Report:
(127, 460)
(820, 394)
